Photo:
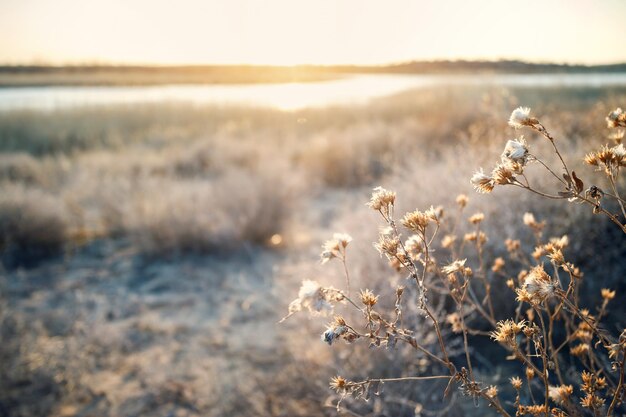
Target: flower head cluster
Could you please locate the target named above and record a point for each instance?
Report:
(530, 221)
(515, 155)
(315, 298)
(334, 330)
(537, 286)
(482, 182)
(590, 386)
(388, 245)
(560, 394)
(616, 118)
(454, 320)
(507, 330)
(368, 298)
(417, 221)
(611, 159)
(456, 266)
(382, 200)
(521, 117)
(335, 248)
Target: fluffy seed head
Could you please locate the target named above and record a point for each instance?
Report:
(616, 118)
(382, 200)
(416, 221)
(482, 182)
(537, 286)
(520, 117)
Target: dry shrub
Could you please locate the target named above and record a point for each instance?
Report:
(454, 282)
(32, 221)
(195, 215)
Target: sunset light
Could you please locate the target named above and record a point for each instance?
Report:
(286, 32)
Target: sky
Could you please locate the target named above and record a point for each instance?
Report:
(289, 32)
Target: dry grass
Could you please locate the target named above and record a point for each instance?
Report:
(189, 181)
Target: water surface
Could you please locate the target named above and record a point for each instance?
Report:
(289, 96)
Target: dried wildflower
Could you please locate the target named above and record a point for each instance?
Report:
(610, 159)
(315, 298)
(520, 117)
(368, 298)
(538, 252)
(614, 350)
(580, 350)
(530, 221)
(516, 382)
(514, 159)
(537, 286)
(417, 221)
(455, 322)
(505, 174)
(476, 218)
(454, 267)
(608, 294)
(492, 391)
(498, 264)
(560, 394)
(534, 410)
(510, 283)
(382, 200)
(335, 329)
(413, 245)
(592, 401)
(616, 118)
(482, 182)
(512, 245)
(479, 237)
(557, 257)
(462, 200)
(388, 245)
(448, 241)
(516, 150)
(335, 248)
(530, 373)
(560, 242)
(339, 384)
(506, 331)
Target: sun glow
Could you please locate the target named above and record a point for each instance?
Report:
(285, 32)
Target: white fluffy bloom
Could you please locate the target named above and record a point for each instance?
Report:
(529, 219)
(342, 238)
(516, 150)
(482, 182)
(315, 298)
(615, 117)
(520, 117)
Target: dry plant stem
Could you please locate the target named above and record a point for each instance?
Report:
(541, 129)
(560, 179)
(495, 404)
(464, 328)
(414, 271)
(619, 199)
(620, 384)
(345, 270)
(611, 216)
(483, 274)
(585, 319)
(544, 357)
(409, 378)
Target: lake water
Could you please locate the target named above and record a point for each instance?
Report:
(289, 96)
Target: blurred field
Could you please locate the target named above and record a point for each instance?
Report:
(149, 251)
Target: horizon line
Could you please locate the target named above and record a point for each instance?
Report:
(120, 64)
